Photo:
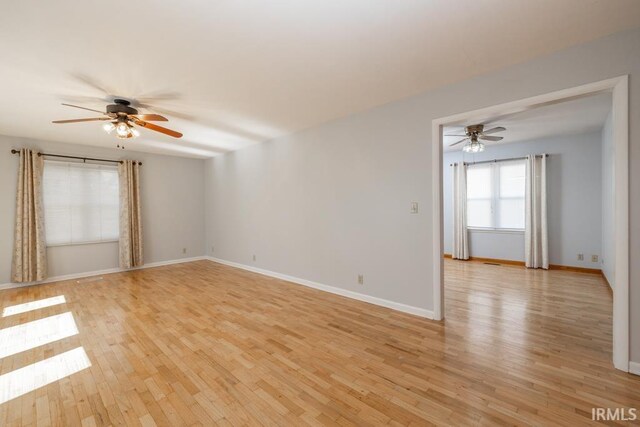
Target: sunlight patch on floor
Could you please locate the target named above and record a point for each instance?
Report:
(33, 305)
(39, 374)
(17, 339)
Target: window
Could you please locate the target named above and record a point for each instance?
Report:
(80, 203)
(495, 195)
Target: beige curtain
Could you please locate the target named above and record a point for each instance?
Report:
(536, 249)
(29, 246)
(130, 215)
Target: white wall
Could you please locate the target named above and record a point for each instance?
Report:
(573, 199)
(330, 202)
(172, 209)
(608, 246)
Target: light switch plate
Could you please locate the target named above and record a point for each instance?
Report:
(414, 207)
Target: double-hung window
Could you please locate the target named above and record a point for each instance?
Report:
(495, 195)
(81, 203)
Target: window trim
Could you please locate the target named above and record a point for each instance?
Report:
(95, 242)
(496, 230)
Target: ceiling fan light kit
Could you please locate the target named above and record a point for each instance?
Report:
(108, 127)
(473, 147)
(123, 129)
(122, 117)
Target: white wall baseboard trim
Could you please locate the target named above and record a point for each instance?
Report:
(332, 289)
(326, 288)
(634, 368)
(99, 272)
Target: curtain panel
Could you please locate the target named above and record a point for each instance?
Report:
(535, 230)
(130, 246)
(29, 246)
(460, 248)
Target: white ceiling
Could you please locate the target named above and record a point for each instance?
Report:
(241, 72)
(573, 117)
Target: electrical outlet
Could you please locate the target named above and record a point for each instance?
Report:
(594, 258)
(184, 250)
(580, 257)
(360, 279)
(212, 249)
(414, 208)
(254, 257)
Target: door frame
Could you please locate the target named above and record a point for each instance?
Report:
(619, 87)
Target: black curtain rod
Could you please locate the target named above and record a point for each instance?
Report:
(84, 159)
(499, 160)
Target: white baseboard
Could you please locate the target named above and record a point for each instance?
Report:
(99, 272)
(634, 368)
(332, 289)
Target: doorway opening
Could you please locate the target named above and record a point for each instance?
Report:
(498, 220)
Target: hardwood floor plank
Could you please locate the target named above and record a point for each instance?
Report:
(206, 344)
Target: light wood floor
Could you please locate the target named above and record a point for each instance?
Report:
(206, 344)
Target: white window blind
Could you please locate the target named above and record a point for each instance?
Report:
(495, 195)
(480, 195)
(81, 203)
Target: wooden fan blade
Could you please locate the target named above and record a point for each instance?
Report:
(454, 135)
(491, 138)
(150, 117)
(157, 128)
(456, 143)
(83, 108)
(93, 119)
(494, 130)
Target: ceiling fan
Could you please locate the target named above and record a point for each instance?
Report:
(121, 117)
(474, 133)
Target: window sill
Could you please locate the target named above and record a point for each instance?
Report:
(81, 243)
(496, 230)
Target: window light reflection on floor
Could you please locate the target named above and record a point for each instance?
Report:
(16, 339)
(39, 374)
(33, 305)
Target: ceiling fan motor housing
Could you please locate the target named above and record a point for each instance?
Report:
(121, 106)
(474, 129)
